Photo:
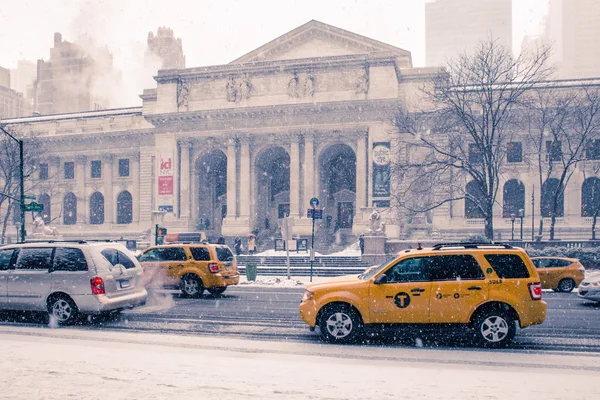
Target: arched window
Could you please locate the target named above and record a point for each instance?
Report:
(97, 208)
(475, 198)
(124, 208)
(46, 215)
(549, 190)
(514, 198)
(70, 209)
(590, 197)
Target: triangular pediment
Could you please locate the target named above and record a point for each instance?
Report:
(316, 39)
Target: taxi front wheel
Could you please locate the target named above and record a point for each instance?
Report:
(340, 323)
(191, 286)
(494, 328)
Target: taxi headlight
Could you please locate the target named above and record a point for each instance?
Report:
(308, 295)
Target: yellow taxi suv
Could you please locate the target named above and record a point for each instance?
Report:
(192, 268)
(560, 274)
(488, 288)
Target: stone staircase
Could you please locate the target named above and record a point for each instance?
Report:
(300, 265)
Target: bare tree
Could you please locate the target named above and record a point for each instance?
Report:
(567, 122)
(463, 134)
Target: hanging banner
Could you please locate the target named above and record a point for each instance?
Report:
(165, 182)
(381, 169)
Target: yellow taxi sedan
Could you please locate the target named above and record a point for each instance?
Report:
(560, 274)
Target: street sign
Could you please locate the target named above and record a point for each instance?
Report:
(29, 197)
(314, 202)
(33, 206)
(314, 213)
(309, 213)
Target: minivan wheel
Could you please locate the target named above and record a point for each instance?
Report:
(494, 328)
(216, 291)
(191, 286)
(63, 308)
(566, 285)
(340, 323)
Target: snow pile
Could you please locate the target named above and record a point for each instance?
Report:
(273, 281)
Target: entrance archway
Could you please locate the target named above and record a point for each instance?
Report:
(211, 172)
(337, 184)
(272, 187)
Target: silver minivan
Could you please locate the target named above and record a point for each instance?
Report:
(69, 278)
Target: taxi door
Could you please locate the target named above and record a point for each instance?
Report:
(543, 266)
(402, 295)
(458, 286)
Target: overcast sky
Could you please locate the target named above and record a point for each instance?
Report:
(217, 31)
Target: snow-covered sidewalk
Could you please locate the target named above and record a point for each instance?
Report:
(39, 363)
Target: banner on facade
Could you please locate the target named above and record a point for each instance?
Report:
(381, 169)
(165, 182)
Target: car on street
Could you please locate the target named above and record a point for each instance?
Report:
(560, 274)
(68, 279)
(489, 288)
(589, 288)
(191, 268)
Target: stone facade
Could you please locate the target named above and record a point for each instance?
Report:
(233, 148)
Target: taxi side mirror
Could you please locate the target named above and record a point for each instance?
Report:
(381, 279)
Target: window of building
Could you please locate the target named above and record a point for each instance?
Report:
(475, 154)
(96, 169)
(474, 200)
(46, 215)
(514, 152)
(551, 190)
(43, 172)
(590, 197)
(513, 198)
(124, 208)
(124, 167)
(592, 150)
(554, 150)
(96, 209)
(69, 168)
(70, 209)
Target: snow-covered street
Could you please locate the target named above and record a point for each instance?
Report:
(41, 363)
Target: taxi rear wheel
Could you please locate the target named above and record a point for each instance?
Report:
(340, 323)
(566, 285)
(494, 328)
(191, 286)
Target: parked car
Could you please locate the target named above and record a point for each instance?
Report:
(560, 274)
(487, 288)
(192, 268)
(69, 278)
(589, 288)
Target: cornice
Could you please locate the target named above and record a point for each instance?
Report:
(133, 134)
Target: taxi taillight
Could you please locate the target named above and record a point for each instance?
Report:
(535, 290)
(213, 267)
(97, 285)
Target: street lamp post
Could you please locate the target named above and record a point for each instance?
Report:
(21, 185)
(521, 216)
(512, 220)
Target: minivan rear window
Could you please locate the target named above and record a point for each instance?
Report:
(508, 266)
(115, 257)
(224, 254)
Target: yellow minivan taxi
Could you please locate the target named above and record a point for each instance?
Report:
(192, 268)
(488, 288)
(560, 274)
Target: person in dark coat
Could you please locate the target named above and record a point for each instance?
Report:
(237, 245)
(221, 240)
(361, 244)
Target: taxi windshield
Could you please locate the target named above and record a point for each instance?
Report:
(371, 271)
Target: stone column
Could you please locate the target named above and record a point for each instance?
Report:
(361, 172)
(184, 180)
(309, 169)
(294, 177)
(109, 201)
(82, 204)
(231, 179)
(56, 196)
(244, 179)
(135, 177)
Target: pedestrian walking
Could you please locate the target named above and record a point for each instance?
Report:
(251, 245)
(361, 244)
(237, 245)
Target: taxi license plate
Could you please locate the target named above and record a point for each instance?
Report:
(125, 284)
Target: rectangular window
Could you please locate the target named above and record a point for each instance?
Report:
(514, 152)
(34, 258)
(43, 172)
(5, 258)
(508, 266)
(592, 150)
(224, 254)
(475, 154)
(67, 259)
(200, 253)
(124, 167)
(69, 170)
(553, 150)
(96, 169)
(452, 268)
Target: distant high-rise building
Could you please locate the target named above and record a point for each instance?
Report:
(455, 26)
(12, 103)
(4, 77)
(164, 51)
(72, 79)
(22, 79)
(573, 29)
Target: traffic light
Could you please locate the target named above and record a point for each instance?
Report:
(159, 235)
(161, 231)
